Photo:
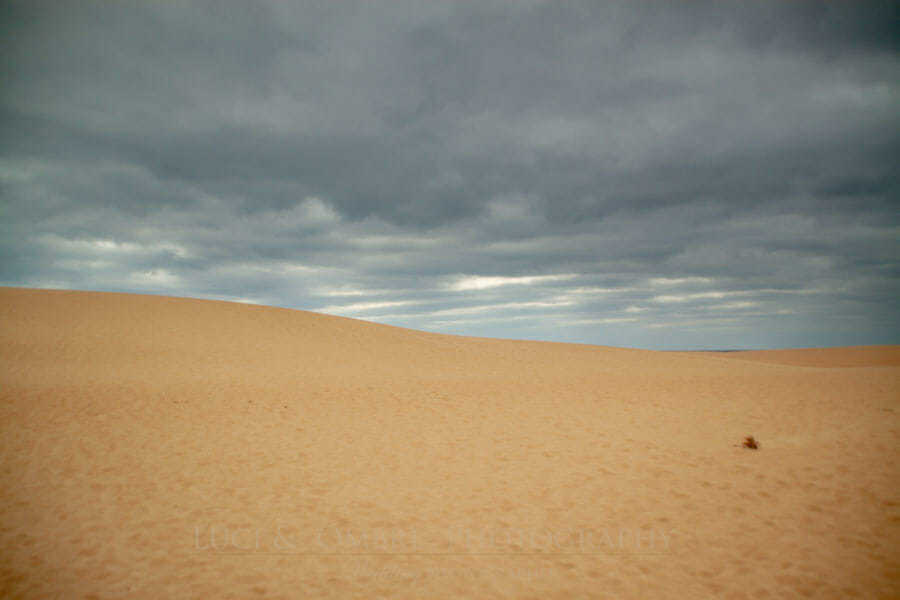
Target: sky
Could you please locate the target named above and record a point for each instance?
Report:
(661, 175)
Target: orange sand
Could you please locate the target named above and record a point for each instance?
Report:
(157, 447)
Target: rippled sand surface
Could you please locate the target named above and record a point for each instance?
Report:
(157, 447)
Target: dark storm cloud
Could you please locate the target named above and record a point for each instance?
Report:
(635, 173)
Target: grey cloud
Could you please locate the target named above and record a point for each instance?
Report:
(347, 154)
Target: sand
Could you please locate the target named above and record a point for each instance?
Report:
(157, 447)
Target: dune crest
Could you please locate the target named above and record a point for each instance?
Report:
(829, 358)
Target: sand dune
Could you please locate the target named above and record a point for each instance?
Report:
(157, 447)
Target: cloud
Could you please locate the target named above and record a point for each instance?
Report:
(637, 174)
(358, 307)
(697, 296)
(477, 282)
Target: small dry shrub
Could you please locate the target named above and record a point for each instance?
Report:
(750, 442)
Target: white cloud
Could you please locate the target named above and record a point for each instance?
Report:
(483, 320)
(602, 321)
(669, 298)
(358, 307)
(735, 305)
(107, 247)
(600, 291)
(478, 282)
(666, 281)
(269, 268)
(467, 310)
(341, 291)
